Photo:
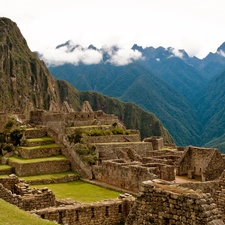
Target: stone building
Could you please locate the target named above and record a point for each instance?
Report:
(207, 163)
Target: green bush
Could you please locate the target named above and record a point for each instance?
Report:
(117, 130)
(76, 136)
(87, 153)
(15, 136)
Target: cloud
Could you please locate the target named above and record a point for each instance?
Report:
(76, 54)
(124, 56)
(221, 52)
(60, 56)
(176, 53)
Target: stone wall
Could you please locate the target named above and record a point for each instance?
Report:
(130, 175)
(110, 150)
(113, 138)
(110, 212)
(163, 204)
(18, 193)
(28, 169)
(205, 162)
(38, 152)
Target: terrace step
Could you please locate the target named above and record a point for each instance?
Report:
(39, 141)
(29, 167)
(40, 151)
(6, 169)
(35, 132)
(63, 177)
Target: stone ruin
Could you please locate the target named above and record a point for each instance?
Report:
(130, 164)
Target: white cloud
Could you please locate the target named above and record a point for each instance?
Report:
(125, 56)
(60, 56)
(76, 54)
(221, 52)
(176, 53)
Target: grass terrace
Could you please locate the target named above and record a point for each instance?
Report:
(22, 160)
(41, 146)
(80, 191)
(39, 139)
(48, 176)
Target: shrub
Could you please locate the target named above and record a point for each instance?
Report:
(8, 125)
(117, 130)
(87, 153)
(15, 136)
(76, 136)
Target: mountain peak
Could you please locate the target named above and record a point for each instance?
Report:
(222, 47)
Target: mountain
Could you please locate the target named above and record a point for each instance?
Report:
(170, 65)
(26, 81)
(136, 83)
(210, 104)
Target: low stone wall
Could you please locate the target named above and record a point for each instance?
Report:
(110, 150)
(110, 212)
(22, 196)
(65, 179)
(28, 169)
(38, 152)
(171, 205)
(6, 171)
(113, 138)
(35, 133)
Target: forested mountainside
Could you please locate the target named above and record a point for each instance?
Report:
(25, 79)
(167, 82)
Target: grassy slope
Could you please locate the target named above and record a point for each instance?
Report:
(12, 215)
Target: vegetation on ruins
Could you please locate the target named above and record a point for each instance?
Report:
(80, 191)
(87, 153)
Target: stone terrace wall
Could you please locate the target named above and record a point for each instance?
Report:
(113, 138)
(22, 196)
(109, 212)
(161, 204)
(27, 169)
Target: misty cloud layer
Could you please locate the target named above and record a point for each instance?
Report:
(76, 54)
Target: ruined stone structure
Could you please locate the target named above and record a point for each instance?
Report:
(207, 163)
(163, 204)
(125, 162)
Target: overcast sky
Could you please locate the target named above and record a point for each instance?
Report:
(196, 26)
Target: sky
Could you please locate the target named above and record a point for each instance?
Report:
(197, 26)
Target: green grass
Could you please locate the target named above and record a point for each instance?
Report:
(12, 215)
(22, 160)
(80, 191)
(41, 146)
(3, 167)
(39, 139)
(48, 176)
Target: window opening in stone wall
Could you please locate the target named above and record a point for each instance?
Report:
(107, 211)
(194, 168)
(77, 215)
(92, 212)
(200, 169)
(120, 209)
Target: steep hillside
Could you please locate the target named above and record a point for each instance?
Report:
(23, 77)
(136, 83)
(210, 104)
(25, 80)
